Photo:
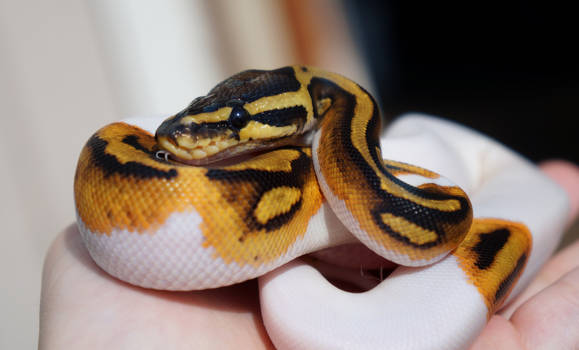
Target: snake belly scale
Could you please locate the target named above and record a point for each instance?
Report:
(170, 211)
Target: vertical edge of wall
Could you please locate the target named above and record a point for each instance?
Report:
(323, 37)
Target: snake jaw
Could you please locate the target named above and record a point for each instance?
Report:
(201, 151)
(190, 139)
(167, 145)
(213, 151)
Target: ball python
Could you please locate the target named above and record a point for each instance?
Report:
(272, 165)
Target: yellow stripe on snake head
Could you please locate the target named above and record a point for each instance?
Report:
(258, 131)
(220, 115)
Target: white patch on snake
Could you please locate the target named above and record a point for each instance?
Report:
(170, 258)
(173, 258)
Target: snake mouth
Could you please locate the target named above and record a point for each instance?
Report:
(219, 151)
(203, 151)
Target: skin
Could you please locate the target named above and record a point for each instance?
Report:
(83, 307)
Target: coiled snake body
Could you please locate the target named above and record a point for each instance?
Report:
(171, 212)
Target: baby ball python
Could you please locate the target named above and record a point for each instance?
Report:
(229, 189)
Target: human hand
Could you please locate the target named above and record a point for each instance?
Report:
(82, 307)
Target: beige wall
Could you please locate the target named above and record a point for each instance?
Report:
(53, 92)
(66, 68)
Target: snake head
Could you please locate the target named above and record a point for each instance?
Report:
(250, 111)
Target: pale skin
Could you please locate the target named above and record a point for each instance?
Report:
(83, 307)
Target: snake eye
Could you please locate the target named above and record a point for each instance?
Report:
(239, 117)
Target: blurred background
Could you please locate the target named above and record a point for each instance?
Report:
(68, 67)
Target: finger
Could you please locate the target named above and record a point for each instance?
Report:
(567, 176)
(499, 334)
(546, 321)
(559, 265)
(552, 282)
(549, 319)
(557, 273)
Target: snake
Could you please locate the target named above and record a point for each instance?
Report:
(271, 165)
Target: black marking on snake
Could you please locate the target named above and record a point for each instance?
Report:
(204, 129)
(251, 85)
(200, 130)
(510, 279)
(295, 115)
(281, 219)
(133, 141)
(427, 218)
(111, 165)
(489, 245)
(395, 167)
(320, 88)
(406, 208)
(300, 169)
